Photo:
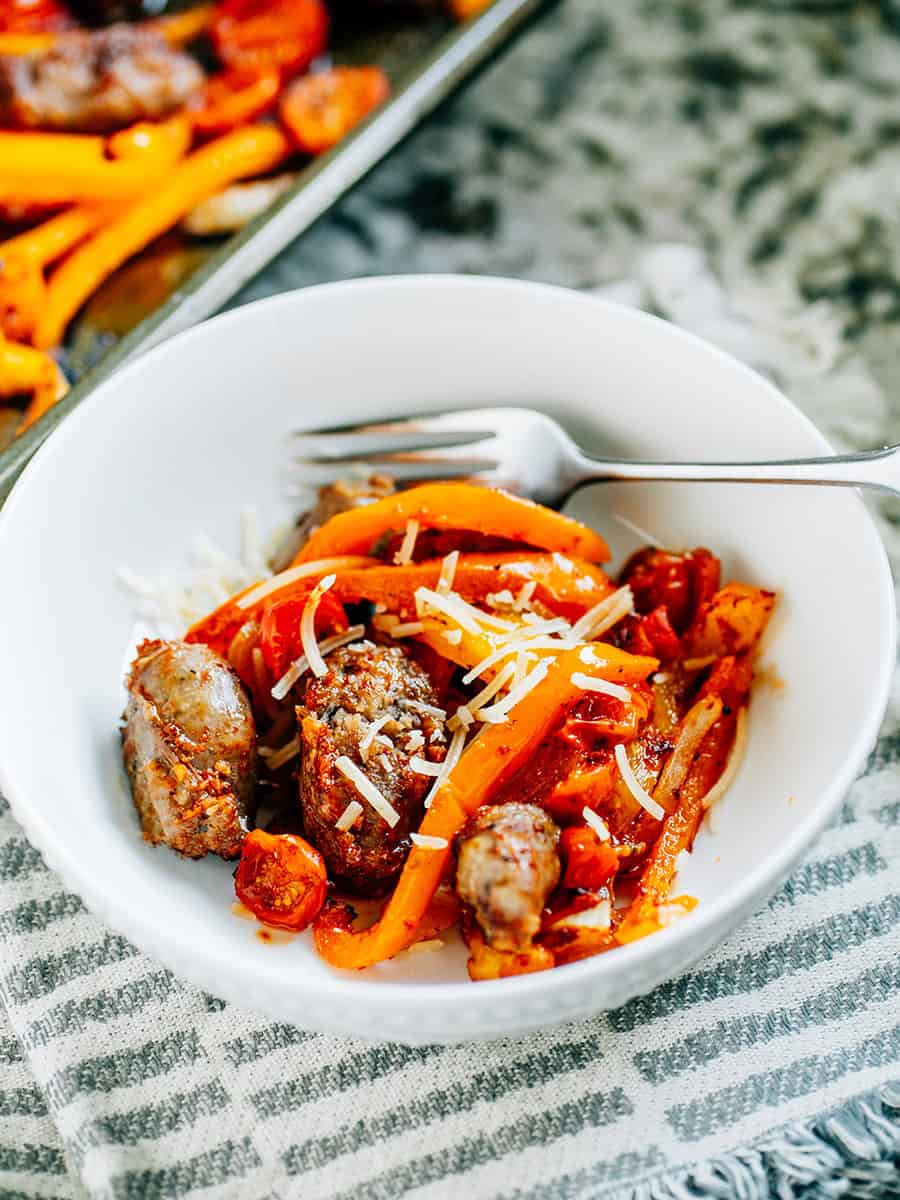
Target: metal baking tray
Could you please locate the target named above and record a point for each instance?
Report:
(426, 56)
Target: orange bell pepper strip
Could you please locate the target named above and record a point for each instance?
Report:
(180, 28)
(244, 152)
(495, 753)
(51, 239)
(455, 506)
(16, 44)
(23, 369)
(680, 826)
(23, 294)
(160, 142)
(465, 10)
(69, 168)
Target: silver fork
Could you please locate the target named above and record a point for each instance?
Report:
(530, 453)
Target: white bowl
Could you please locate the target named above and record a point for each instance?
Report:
(181, 440)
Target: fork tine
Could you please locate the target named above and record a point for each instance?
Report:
(322, 446)
(313, 473)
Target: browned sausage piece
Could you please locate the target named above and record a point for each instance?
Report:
(97, 82)
(334, 498)
(507, 867)
(366, 684)
(189, 749)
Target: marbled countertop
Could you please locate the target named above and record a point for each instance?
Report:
(764, 135)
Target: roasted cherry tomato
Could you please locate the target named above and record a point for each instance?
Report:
(236, 97)
(678, 582)
(651, 635)
(319, 110)
(590, 863)
(281, 878)
(279, 630)
(262, 34)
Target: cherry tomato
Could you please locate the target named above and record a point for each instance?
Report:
(236, 97)
(281, 878)
(262, 34)
(590, 863)
(678, 582)
(279, 630)
(319, 110)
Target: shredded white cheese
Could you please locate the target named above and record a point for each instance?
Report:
(500, 680)
(425, 841)
(284, 754)
(415, 741)
(603, 615)
(588, 683)
(502, 599)
(596, 823)
(408, 545)
(406, 629)
(422, 766)
(300, 665)
(461, 719)
(365, 746)
(308, 627)
(535, 629)
(523, 598)
(428, 710)
(349, 816)
(454, 752)
(565, 564)
(498, 712)
(644, 799)
(367, 789)
(448, 573)
(453, 636)
(597, 917)
(346, 562)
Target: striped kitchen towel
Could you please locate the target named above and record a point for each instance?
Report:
(769, 1070)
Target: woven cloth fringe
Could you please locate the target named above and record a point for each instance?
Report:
(852, 1152)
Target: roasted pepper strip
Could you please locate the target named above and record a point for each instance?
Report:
(455, 506)
(23, 369)
(52, 238)
(244, 152)
(159, 142)
(70, 168)
(496, 752)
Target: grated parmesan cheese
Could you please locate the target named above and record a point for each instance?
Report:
(525, 594)
(365, 746)
(320, 566)
(415, 741)
(448, 573)
(461, 719)
(422, 766)
(565, 564)
(301, 664)
(308, 627)
(603, 615)
(596, 823)
(367, 789)
(498, 712)
(588, 683)
(425, 841)
(284, 754)
(428, 710)
(404, 555)
(490, 691)
(454, 752)
(503, 599)
(349, 816)
(644, 799)
(453, 636)
(406, 629)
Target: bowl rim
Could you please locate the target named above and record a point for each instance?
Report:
(708, 921)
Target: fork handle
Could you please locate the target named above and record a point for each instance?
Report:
(879, 469)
